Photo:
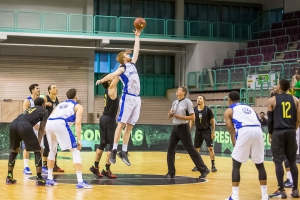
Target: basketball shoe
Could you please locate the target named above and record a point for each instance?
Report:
(123, 156)
(44, 170)
(40, 182)
(57, 169)
(278, 193)
(96, 171)
(27, 171)
(83, 185)
(10, 180)
(108, 174)
(50, 182)
(295, 194)
(112, 157)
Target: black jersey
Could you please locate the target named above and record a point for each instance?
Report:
(110, 106)
(33, 115)
(285, 112)
(54, 104)
(203, 117)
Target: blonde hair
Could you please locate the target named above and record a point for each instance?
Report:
(120, 57)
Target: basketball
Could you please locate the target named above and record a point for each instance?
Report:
(139, 23)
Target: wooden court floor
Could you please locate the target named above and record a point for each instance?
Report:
(217, 187)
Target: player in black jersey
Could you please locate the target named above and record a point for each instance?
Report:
(51, 101)
(108, 126)
(22, 129)
(283, 121)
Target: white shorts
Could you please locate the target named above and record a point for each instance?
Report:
(58, 132)
(250, 142)
(130, 107)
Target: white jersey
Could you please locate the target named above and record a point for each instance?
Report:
(130, 79)
(30, 101)
(243, 116)
(65, 111)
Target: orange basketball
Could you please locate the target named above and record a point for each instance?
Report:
(139, 23)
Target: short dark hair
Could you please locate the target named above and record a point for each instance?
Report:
(184, 89)
(262, 112)
(71, 94)
(39, 101)
(32, 86)
(284, 85)
(105, 84)
(202, 97)
(234, 96)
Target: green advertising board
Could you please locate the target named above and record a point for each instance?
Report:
(143, 137)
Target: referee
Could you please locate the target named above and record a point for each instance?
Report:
(181, 132)
(205, 129)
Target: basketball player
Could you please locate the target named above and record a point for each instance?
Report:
(181, 132)
(282, 133)
(130, 103)
(59, 132)
(205, 129)
(28, 103)
(51, 101)
(21, 129)
(247, 138)
(107, 127)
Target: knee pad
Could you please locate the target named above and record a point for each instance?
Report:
(51, 155)
(262, 175)
(38, 159)
(76, 156)
(102, 146)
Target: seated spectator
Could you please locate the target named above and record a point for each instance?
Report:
(297, 87)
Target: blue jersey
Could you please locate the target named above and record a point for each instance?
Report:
(130, 79)
(30, 101)
(243, 116)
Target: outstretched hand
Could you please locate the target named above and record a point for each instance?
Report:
(138, 32)
(99, 82)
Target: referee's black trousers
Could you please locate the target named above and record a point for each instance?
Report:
(182, 133)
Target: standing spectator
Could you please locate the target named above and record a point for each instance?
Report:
(262, 119)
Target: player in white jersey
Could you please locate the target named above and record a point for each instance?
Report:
(58, 131)
(130, 102)
(247, 139)
(29, 103)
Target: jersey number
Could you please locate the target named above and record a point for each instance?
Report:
(286, 106)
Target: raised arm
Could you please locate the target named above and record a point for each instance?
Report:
(110, 76)
(112, 90)
(136, 48)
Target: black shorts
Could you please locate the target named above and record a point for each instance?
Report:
(284, 145)
(108, 126)
(18, 131)
(200, 136)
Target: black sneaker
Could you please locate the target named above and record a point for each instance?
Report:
(286, 181)
(194, 169)
(295, 194)
(40, 182)
(10, 180)
(123, 156)
(96, 171)
(169, 175)
(213, 168)
(204, 174)
(112, 157)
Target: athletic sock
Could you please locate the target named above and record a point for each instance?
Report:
(124, 147)
(96, 164)
(115, 146)
(79, 176)
(264, 189)
(50, 174)
(25, 163)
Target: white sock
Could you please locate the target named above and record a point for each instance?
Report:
(289, 176)
(124, 147)
(115, 146)
(25, 162)
(50, 174)
(235, 192)
(79, 176)
(264, 189)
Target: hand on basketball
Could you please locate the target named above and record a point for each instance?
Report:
(137, 32)
(79, 145)
(99, 82)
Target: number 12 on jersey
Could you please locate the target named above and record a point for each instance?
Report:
(286, 106)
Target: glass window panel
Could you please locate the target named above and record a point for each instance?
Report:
(193, 11)
(115, 8)
(149, 64)
(245, 15)
(159, 64)
(103, 58)
(139, 64)
(96, 63)
(170, 65)
(203, 12)
(169, 10)
(126, 8)
(225, 14)
(149, 9)
(104, 7)
(235, 14)
(213, 13)
(139, 8)
(160, 10)
(113, 63)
